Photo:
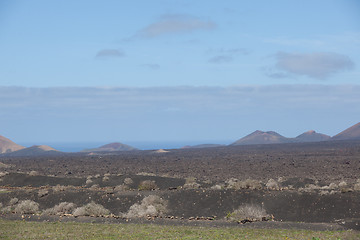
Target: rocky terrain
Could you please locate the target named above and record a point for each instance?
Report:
(295, 182)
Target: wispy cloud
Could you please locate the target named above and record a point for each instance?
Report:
(317, 41)
(226, 55)
(318, 65)
(221, 59)
(189, 98)
(175, 24)
(295, 41)
(109, 53)
(172, 112)
(153, 66)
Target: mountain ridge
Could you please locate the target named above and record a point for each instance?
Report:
(6, 145)
(35, 150)
(350, 133)
(10, 148)
(111, 147)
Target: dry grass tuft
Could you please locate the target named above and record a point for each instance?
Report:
(91, 209)
(2, 174)
(94, 187)
(43, 193)
(121, 188)
(58, 188)
(150, 206)
(128, 181)
(217, 187)
(273, 185)
(33, 173)
(147, 185)
(3, 165)
(145, 174)
(248, 184)
(60, 209)
(190, 183)
(357, 185)
(13, 201)
(88, 182)
(249, 212)
(27, 207)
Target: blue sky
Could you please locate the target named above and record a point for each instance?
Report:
(64, 62)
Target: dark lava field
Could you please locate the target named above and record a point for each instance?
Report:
(298, 182)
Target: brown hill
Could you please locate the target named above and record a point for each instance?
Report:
(111, 147)
(312, 136)
(352, 132)
(36, 150)
(260, 137)
(6, 145)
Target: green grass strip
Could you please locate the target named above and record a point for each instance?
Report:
(72, 230)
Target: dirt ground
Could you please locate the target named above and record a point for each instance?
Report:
(296, 167)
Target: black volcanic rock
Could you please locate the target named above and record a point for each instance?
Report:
(260, 137)
(6, 145)
(203, 146)
(352, 133)
(111, 147)
(312, 136)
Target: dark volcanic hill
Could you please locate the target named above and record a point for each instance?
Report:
(111, 147)
(204, 146)
(36, 150)
(312, 136)
(6, 145)
(260, 137)
(352, 133)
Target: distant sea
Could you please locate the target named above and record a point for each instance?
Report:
(79, 146)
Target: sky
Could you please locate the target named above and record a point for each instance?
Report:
(189, 71)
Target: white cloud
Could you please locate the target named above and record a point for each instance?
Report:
(174, 24)
(320, 65)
